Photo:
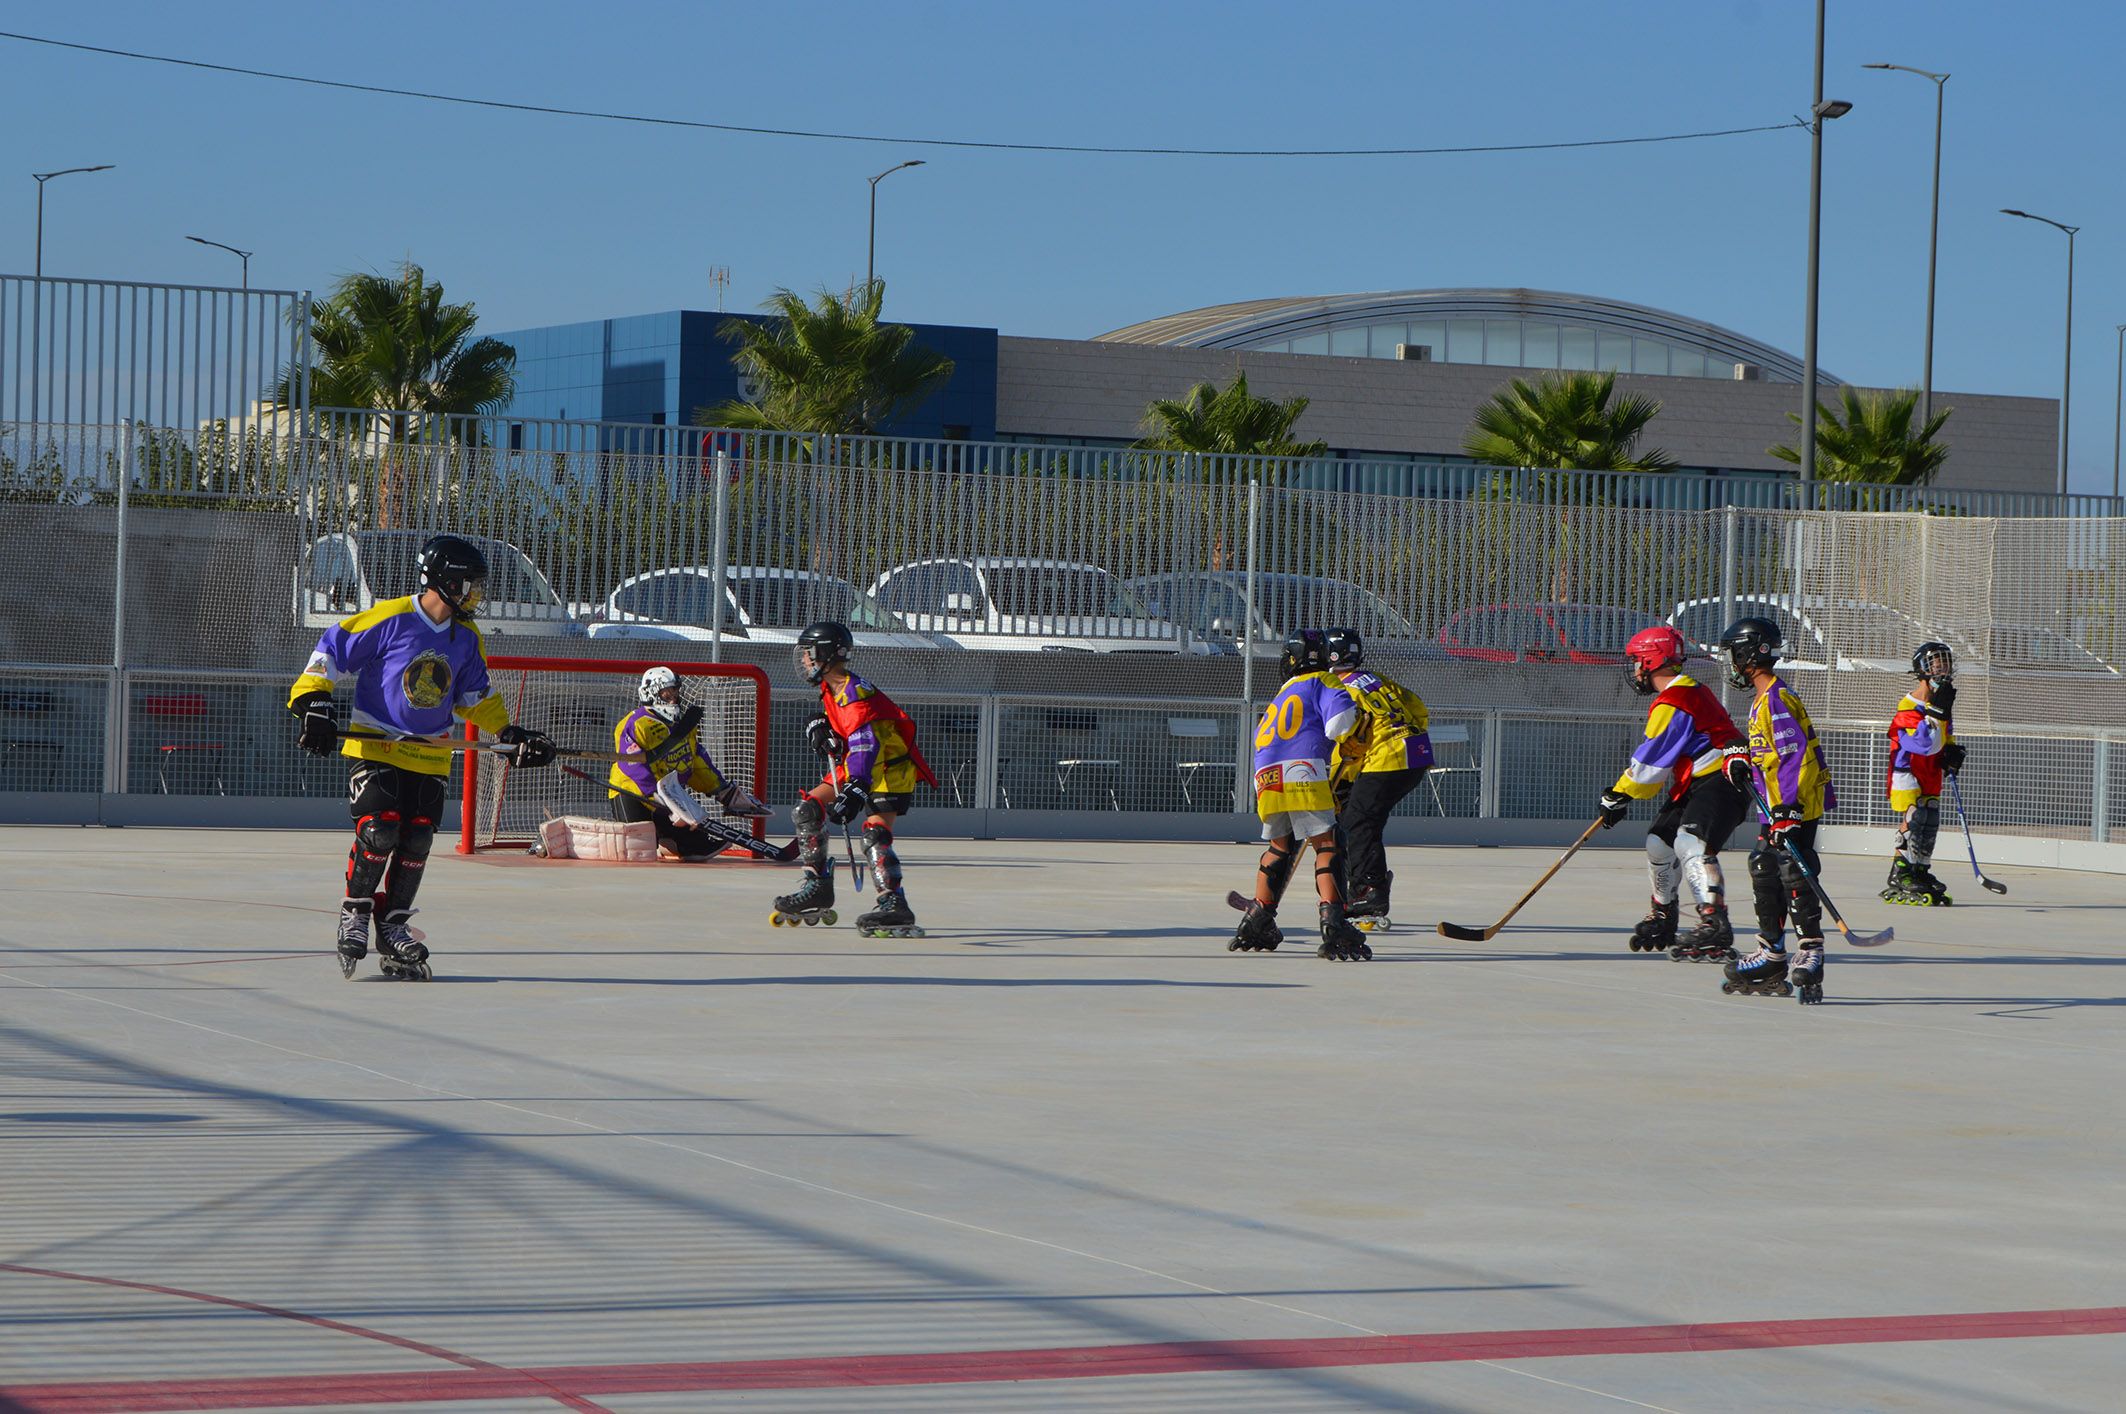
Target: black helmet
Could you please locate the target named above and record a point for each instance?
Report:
(1305, 651)
(1934, 662)
(453, 567)
(1345, 648)
(821, 645)
(1750, 643)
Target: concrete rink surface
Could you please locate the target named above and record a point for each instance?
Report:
(636, 1150)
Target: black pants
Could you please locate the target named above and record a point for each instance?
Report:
(683, 840)
(1363, 817)
(1782, 891)
(394, 812)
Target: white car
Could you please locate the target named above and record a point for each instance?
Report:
(1878, 637)
(761, 604)
(347, 572)
(1016, 603)
(1214, 603)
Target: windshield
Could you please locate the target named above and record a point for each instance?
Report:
(1590, 628)
(1060, 591)
(1288, 604)
(795, 600)
(390, 565)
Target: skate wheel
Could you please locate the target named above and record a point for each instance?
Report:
(812, 922)
(1729, 988)
(828, 917)
(1785, 990)
(775, 920)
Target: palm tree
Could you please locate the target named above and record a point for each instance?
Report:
(391, 347)
(1228, 420)
(1565, 421)
(827, 367)
(1874, 441)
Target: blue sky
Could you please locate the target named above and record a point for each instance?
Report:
(544, 219)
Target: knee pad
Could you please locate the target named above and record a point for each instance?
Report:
(1277, 865)
(807, 815)
(416, 838)
(1769, 866)
(1663, 870)
(1922, 827)
(379, 833)
(885, 864)
(1701, 867)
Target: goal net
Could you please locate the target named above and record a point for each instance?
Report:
(578, 702)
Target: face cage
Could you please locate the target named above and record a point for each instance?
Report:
(1940, 666)
(810, 665)
(466, 600)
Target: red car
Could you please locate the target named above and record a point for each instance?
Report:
(1543, 633)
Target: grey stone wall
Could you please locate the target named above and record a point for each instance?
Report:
(1082, 388)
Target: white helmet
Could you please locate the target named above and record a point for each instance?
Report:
(655, 683)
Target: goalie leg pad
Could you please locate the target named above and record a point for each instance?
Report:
(580, 837)
(885, 864)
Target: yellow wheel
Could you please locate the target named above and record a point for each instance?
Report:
(775, 920)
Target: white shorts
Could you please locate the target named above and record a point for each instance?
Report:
(1302, 824)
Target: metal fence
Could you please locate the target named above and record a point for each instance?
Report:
(160, 585)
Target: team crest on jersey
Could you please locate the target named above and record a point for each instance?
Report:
(426, 681)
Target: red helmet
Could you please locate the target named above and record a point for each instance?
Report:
(1649, 651)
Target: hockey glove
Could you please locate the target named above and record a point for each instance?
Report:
(532, 748)
(850, 803)
(825, 741)
(735, 800)
(1952, 758)
(1941, 701)
(1784, 818)
(320, 731)
(1735, 760)
(1615, 804)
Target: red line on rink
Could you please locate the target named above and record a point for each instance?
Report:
(1064, 1363)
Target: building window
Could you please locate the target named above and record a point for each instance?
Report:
(1311, 344)
(1465, 341)
(1539, 345)
(1348, 342)
(1385, 337)
(1612, 352)
(516, 436)
(1649, 356)
(1576, 348)
(1502, 342)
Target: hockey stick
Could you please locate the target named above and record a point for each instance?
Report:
(1465, 934)
(458, 746)
(718, 830)
(1956, 793)
(1855, 940)
(838, 769)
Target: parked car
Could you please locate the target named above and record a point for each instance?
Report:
(761, 604)
(1543, 633)
(349, 571)
(1015, 603)
(1878, 637)
(1214, 604)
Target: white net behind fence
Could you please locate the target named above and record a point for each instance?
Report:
(579, 703)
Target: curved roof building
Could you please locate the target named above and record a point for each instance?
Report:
(1503, 328)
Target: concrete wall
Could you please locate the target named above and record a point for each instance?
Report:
(1081, 388)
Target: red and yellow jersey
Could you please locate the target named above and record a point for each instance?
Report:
(1916, 741)
(1686, 731)
(881, 754)
(1786, 756)
(639, 735)
(1392, 732)
(413, 677)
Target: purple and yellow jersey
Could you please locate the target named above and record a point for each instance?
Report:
(642, 732)
(1787, 758)
(1295, 740)
(1916, 742)
(411, 675)
(878, 757)
(1393, 728)
(1686, 729)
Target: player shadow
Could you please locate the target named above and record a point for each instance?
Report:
(1875, 959)
(1997, 1006)
(867, 980)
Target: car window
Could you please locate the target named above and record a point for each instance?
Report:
(1508, 629)
(1591, 628)
(914, 590)
(794, 600)
(1702, 623)
(390, 562)
(1054, 591)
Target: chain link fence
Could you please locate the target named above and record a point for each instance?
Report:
(1076, 630)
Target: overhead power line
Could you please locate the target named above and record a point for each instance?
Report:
(818, 136)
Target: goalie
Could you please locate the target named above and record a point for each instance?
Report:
(664, 777)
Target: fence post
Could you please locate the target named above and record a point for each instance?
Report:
(2100, 794)
(1727, 576)
(986, 749)
(1487, 796)
(115, 710)
(719, 554)
(1244, 760)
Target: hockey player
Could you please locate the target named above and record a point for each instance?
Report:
(1795, 787)
(1691, 746)
(1381, 761)
(1293, 795)
(1923, 747)
(873, 765)
(657, 778)
(414, 662)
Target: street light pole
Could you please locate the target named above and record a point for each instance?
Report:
(243, 255)
(1819, 113)
(2118, 405)
(1926, 396)
(42, 178)
(2067, 376)
(871, 242)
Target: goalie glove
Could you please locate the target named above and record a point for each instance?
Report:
(686, 807)
(736, 800)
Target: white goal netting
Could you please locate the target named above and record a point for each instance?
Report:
(578, 702)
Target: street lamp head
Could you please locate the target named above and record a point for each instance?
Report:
(70, 171)
(1832, 108)
(2008, 211)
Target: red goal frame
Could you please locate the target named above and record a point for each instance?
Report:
(468, 827)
